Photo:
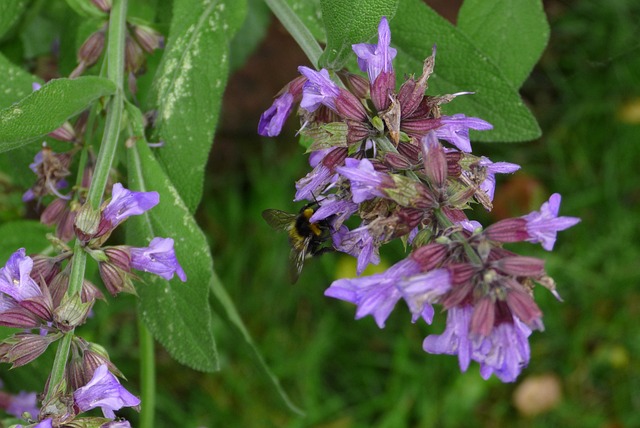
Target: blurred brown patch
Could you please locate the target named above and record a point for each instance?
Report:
(537, 394)
(518, 196)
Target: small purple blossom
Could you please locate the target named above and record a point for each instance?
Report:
(505, 352)
(422, 290)
(15, 279)
(122, 423)
(455, 130)
(272, 120)
(374, 295)
(376, 58)
(492, 168)
(542, 226)
(158, 258)
(314, 182)
(104, 391)
(366, 182)
(23, 402)
(455, 338)
(342, 209)
(358, 243)
(318, 90)
(125, 203)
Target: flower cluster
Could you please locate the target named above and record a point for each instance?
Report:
(405, 171)
(34, 297)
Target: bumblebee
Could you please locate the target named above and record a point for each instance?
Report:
(306, 238)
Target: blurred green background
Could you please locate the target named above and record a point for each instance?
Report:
(584, 370)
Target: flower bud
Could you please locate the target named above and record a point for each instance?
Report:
(103, 5)
(521, 266)
(115, 279)
(71, 313)
(357, 131)
(64, 133)
(86, 222)
(435, 163)
(22, 348)
(44, 268)
(397, 161)
(350, 107)
(335, 157)
(357, 85)
(382, 87)
(410, 151)
(523, 306)
(483, 317)
(508, 230)
(92, 48)
(95, 356)
(430, 256)
(74, 373)
(412, 92)
(133, 55)
(19, 317)
(148, 38)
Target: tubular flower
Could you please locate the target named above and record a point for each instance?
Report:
(318, 90)
(125, 203)
(542, 226)
(158, 258)
(375, 58)
(15, 279)
(104, 391)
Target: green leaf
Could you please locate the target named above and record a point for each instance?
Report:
(15, 83)
(27, 234)
(85, 9)
(310, 13)
(234, 318)
(44, 110)
(460, 66)
(177, 314)
(189, 86)
(349, 22)
(512, 33)
(10, 11)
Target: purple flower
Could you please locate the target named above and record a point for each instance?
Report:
(272, 120)
(314, 182)
(117, 424)
(375, 58)
(318, 90)
(492, 168)
(374, 295)
(505, 351)
(357, 243)
(366, 182)
(15, 279)
(23, 402)
(158, 258)
(125, 203)
(104, 391)
(455, 130)
(420, 291)
(543, 225)
(455, 338)
(333, 206)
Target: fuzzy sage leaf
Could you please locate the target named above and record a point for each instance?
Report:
(44, 110)
(177, 314)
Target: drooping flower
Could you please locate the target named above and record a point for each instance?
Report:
(376, 58)
(104, 391)
(455, 130)
(421, 291)
(505, 352)
(542, 226)
(158, 258)
(272, 120)
(374, 295)
(455, 338)
(491, 169)
(125, 203)
(318, 90)
(357, 243)
(15, 279)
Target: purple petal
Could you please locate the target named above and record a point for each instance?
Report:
(455, 338)
(455, 130)
(272, 120)
(365, 180)
(492, 168)
(542, 226)
(375, 58)
(421, 291)
(318, 90)
(505, 352)
(104, 391)
(158, 258)
(15, 279)
(125, 203)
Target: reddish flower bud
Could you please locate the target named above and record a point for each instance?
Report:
(148, 38)
(103, 5)
(71, 313)
(523, 306)
(350, 107)
(410, 151)
(483, 317)
(412, 92)
(508, 230)
(115, 279)
(357, 131)
(383, 86)
(521, 266)
(74, 373)
(44, 268)
(94, 357)
(92, 48)
(335, 158)
(119, 256)
(64, 133)
(133, 55)
(22, 348)
(435, 163)
(430, 256)
(397, 161)
(461, 272)
(54, 212)
(419, 127)
(19, 317)
(357, 85)
(453, 164)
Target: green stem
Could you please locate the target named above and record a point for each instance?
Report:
(147, 376)
(297, 29)
(445, 223)
(115, 72)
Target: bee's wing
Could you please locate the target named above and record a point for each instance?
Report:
(296, 260)
(278, 220)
